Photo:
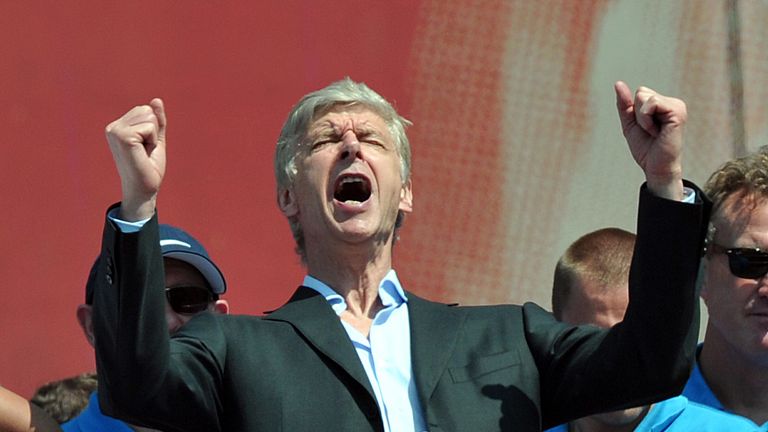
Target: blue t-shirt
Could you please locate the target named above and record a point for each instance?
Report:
(697, 390)
(91, 419)
(680, 415)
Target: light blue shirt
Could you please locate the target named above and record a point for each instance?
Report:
(385, 353)
(697, 390)
(678, 414)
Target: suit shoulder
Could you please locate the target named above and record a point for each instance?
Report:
(470, 309)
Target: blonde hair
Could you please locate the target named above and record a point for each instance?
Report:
(603, 256)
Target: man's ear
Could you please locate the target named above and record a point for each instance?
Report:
(85, 318)
(287, 202)
(406, 197)
(221, 306)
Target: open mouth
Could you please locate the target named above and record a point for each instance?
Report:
(352, 189)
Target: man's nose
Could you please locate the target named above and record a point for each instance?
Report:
(762, 287)
(350, 146)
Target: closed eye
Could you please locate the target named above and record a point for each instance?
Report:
(372, 139)
(317, 145)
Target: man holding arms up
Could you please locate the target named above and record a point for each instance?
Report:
(352, 350)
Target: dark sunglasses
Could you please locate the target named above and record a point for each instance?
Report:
(747, 263)
(189, 299)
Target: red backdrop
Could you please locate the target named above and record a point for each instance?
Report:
(229, 72)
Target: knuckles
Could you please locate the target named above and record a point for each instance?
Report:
(140, 117)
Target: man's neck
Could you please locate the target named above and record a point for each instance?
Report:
(739, 384)
(356, 277)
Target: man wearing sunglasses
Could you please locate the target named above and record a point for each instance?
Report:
(590, 286)
(193, 284)
(731, 371)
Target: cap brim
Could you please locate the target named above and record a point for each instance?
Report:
(206, 267)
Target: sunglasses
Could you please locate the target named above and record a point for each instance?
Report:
(189, 299)
(746, 263)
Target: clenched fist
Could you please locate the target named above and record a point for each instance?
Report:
(653, 126)
(137, 142)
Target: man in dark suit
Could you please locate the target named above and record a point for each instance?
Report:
(352, 350)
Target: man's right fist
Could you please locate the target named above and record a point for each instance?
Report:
(137, 142)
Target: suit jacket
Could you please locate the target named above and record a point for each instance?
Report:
(483, 368)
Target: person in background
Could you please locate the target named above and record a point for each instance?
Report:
(193, 284)
(591, 287)
(66, 398)
(731, 371)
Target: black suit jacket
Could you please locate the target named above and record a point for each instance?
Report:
(476, 368)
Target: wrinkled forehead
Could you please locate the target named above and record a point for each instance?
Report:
(339, 115)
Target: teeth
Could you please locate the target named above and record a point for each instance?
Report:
(353, 190)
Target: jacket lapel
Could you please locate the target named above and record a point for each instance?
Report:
(434, 333)
(311, 315)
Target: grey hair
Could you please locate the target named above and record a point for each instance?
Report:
(294, 133)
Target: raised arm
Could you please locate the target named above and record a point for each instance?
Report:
(144, 377)
(647, 356)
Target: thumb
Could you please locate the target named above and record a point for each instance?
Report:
(159, 109)
(624, 105)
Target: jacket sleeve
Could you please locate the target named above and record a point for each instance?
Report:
(145, 377)
(648, 356)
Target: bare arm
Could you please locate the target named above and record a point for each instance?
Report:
(19, 415)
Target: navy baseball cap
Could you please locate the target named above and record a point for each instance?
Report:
(177, 244)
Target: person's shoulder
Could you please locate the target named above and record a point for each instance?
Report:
(243, 321)
(715, 419)
(684, 415)
(471, 315)
(257, 326)
(221, 324)
(493, 312)
(472, 309)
